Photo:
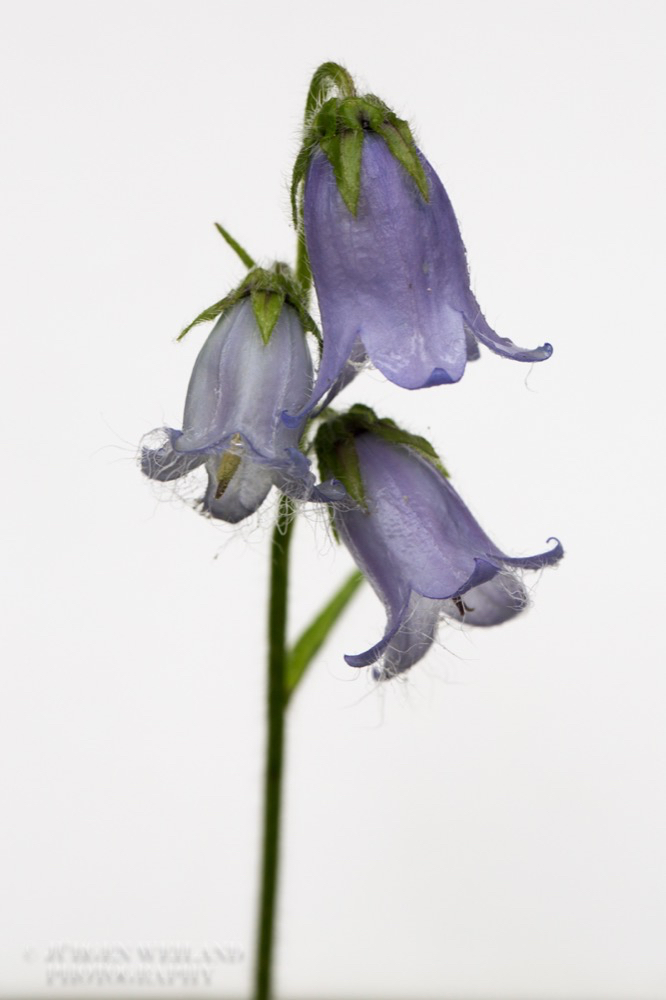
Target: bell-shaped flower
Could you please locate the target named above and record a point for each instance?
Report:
(415, 540)
(386, 253)
(254, 364)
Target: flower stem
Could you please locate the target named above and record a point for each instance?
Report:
(277, 659)
(325, 78)
(329, 76)
(303, 272)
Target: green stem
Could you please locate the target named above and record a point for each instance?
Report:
(303, 272)
(277, 659)
(328, 75)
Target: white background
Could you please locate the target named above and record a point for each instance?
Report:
(493, 826)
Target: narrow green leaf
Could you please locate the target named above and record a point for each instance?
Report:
(235, 246)
(314, 636)
(267, 306)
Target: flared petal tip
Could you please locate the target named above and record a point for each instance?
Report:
(160, 461)
(548, 558)
(359, 660)
(439, 376)
(420, 377)
(330, 491)
(522, 353)
(555, 554)
(405, 642)
(371, 655)
(375, 652)
(542, 353)
(380, 671)
(294, 420)
(502, 345)
(293, 476)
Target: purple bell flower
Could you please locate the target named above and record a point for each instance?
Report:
(239, 386)
(420, 548)
(386, 254)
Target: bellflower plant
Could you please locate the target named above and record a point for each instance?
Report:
(376, 231)
(386, 253)
(415, 540)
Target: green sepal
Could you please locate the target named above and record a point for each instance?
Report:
(398, 137)
(208, 315)
(336, 449)
(338, 129)
(269, 289)
(267, 306)
(347, 469)
(344, 153)
(325, 122)
(363, 418)
(235, 246)
(337, 456)
(389, 431)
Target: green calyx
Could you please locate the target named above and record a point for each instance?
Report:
(337, 458)
(336, 449)
(339, 128)
(269, 290)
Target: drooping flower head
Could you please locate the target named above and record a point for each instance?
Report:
(254, 364)
(385, 251)
(415, 540)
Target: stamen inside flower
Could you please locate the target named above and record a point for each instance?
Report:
(461, 606)
(227, 468)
